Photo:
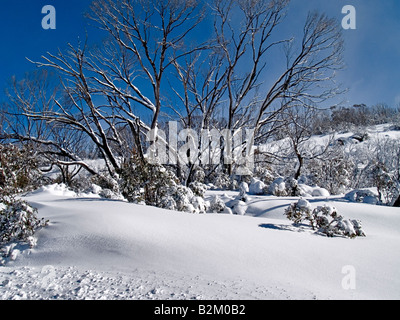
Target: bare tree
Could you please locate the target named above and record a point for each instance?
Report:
(76, 107)
(29, 100)
(153, 34)
(245, 43)
(114, 95)
(299, 131)
(308, 78)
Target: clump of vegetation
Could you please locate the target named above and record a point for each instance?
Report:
(18, 173)
(19, 222)
(325, 219)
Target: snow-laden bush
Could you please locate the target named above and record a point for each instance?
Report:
(199, 204)
(386, 183)
(105, 182)
(362, 195)
(110, 194)
(278, 187)
(236, 206)
(221, 181)
(329, 222)
(198, 188)
(239, 208)
(243, 190)
(335, 173)
(243, 187)
(325, 219)
(264, 173)
(141, 182)
(19, 222)
(18, 169)
(106, 193)
(178, 195)
(283, 187)
(256, 187)
(299, 211)
(320, 192)
(154, 185)
(304, 190)
(217, 205)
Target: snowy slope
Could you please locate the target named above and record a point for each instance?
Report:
(376, 135)
(103, 249)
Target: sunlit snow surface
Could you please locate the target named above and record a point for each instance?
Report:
(95, 248)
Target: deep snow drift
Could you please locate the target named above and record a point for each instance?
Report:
(103, 249)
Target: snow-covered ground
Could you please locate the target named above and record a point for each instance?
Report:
(95, 248)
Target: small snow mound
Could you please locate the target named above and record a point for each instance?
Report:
(256, 187)
(240, 208)
(320, 192)
(303, 204)
(57, 189)
(236, 206)
(278, 187)
(362, 195)
(371, 200)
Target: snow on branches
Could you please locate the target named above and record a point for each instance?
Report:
(325, 219)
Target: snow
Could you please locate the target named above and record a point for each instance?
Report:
(366, 195)
(96, 248)
(303, 204)
(256, 187)
(320, 192)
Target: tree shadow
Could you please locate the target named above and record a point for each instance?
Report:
(285, 227)
(298, 228)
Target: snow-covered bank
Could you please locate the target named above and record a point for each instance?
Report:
(95, 248)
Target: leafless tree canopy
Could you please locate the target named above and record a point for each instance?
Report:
(154, 66)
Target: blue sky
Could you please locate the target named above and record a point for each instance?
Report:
(372, 51)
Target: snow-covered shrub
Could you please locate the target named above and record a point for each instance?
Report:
(103, 192)
(236, 206)
(320, 192)
(299, 211)
(110, 194)
(227, 210)
(333, 173)
(222, 181)
(265, 174)
(292, 187)
(385, 182)
(199, 204)
(182, 196)
(239, 208)
(329, 222)
(362, 195)
(18, 169)
(244, 187)
(325, 219)
(198, 188)
(243, 190)
(256, 187)
(154, 185)
(217, 204)
(199, 174)
(141, 181)
(18, 222)
(94, 188)
(306, 191)
(105, 182)
(278, 188)
(168, 203)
